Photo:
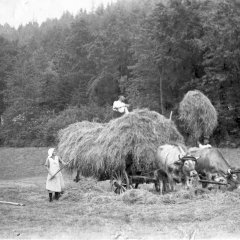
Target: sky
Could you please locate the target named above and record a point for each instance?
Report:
(17, 12)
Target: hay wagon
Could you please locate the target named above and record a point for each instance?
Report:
(129, 177)
(121, 180)
(103, 148)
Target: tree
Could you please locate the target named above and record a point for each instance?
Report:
(8, 53)
(221, 61)
(168, 50)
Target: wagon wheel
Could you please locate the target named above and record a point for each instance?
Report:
(119, 181)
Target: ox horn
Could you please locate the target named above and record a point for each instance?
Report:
(196, 158)
(181, 159)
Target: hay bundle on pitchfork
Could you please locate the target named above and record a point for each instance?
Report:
(198, 116)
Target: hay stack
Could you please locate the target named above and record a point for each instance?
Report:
(75, 142)
(198, 115)
(139, 133)
(103, 148)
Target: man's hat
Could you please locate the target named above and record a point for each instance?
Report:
(122, 97)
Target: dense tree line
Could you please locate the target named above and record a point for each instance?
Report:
(152, 51)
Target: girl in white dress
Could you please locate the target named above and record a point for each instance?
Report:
(56, 184)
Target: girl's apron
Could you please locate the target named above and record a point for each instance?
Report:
(56, 184)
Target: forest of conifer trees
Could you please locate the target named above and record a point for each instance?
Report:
(151, 51)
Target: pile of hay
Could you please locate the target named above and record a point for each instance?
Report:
(75, 143)
(197, 114)
(139, 196)
(98, 148)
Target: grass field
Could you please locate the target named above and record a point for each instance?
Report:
(89, 210)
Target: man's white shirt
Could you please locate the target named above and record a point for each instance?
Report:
(120, 107)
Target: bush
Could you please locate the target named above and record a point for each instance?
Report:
(34, 127)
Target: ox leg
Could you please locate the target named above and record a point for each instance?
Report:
(161, 187)
(77, 178)
(204, 176)
(157, 182)
(165, 184)
(210, 177)
(161, 181)
(172, 185)
(187, 183)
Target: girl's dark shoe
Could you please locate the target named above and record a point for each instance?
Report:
(57, 195)
(50, 197)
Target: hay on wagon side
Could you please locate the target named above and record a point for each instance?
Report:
(138, 133)
(105, 148)
(198, 115)
(75, 142)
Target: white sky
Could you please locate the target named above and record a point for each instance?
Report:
(16, 12)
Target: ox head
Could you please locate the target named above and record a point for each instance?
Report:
(187, 164)
(189, 174)
(183, 169)
(232, 178)
(228, 178)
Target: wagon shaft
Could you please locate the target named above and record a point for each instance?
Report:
(142, 179)
(212, 182)
(235, 171)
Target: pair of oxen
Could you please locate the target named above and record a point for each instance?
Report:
(204, 164)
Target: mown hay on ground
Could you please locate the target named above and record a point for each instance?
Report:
(197, 114)
(98, 148)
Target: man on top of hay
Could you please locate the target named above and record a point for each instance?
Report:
(119, 107)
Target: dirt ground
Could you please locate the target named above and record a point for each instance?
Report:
(89, 210)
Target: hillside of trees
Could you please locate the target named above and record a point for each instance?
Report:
(151, 51)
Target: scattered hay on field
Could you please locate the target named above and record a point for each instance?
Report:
(101, 148)
(197, 114)
(89, 184)
(72, 196)
(185, 195)
(168, 199)
(221, 197)
(139, 196)
(103, 199)
(88, 191)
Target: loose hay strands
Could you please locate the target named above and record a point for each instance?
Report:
(98, 148)
(140, 133)
(76, 141)
(197, 114)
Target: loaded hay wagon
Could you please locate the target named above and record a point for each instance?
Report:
(122, 150)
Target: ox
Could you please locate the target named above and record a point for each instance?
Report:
(212, 166)
(178, 167)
